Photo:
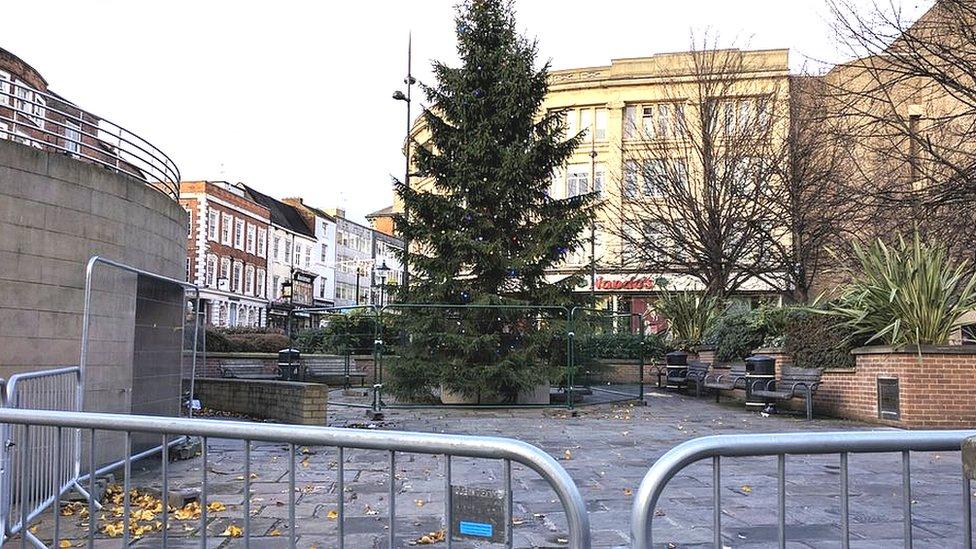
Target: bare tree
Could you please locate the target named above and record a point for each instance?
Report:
(814, 210)
(905, 111)
(692, 198)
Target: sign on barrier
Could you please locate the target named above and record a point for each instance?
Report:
(479, 513)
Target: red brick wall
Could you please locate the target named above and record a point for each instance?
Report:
(936, 389)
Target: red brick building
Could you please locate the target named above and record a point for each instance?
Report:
(227, 251)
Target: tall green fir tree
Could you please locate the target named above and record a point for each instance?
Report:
(484, 232)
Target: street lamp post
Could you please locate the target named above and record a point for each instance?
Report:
(383, 269)
(400, 96)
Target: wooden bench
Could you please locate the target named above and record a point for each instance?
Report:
(735, 378)
(245, 371)
(331, 367)
(792, 382)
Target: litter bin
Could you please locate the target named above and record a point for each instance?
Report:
(676, 364)
(288, 363)
(761, 372)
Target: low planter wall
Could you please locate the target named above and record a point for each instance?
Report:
(283, 401)
(626, 371)
(935, 389)
(268, 361)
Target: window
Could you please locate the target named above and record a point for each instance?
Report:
(630, 179)
(249, 280)
(39, 109)
(72, 137)
(298, 252)
(3, 130)
(598, 177)
(586, 123)
(275, 247)
(325, 253)
(261, 283)
(188, 279)
(189, 222)
(224, 282)
(225, 223)
(308, 255)
(275, 287)
(237, 276)
(630, 122)
(572, 122)
(655, 177)
(213, 223)
(251, 237)
(4, 88)
(23, 100)
(239, 234)
(262, 240)
(577, 180)
(211, 275)
(600, 128)
(287, 251)
(647, 121)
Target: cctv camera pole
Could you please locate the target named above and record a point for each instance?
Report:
(406, 172)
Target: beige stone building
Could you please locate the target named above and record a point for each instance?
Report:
(626, 106)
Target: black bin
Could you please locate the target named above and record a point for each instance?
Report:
(676, 363)
(288, 363)
(760, 374)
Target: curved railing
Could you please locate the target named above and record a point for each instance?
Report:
(50, 122)
(781, 445)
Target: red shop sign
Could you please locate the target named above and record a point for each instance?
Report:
(632, 283)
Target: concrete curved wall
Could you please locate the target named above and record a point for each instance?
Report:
(55, 213)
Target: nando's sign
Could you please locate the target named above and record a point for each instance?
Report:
(626, 282)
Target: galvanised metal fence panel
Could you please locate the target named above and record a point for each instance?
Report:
(608, 355)
(781, 445)
(391, 443)
(28, 487)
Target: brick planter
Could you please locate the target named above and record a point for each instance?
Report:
(935, 389)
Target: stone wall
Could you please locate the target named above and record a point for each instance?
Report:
(55, 213)
(282, 401)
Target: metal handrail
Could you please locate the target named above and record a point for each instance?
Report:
(44, 125)
(393, 441)
(782, 444)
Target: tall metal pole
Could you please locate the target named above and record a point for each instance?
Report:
(593, 223)
(406, 172)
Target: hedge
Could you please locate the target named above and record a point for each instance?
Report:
(816, 341)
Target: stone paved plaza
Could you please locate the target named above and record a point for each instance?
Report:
(606, 449)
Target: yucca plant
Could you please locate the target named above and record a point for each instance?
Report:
(689, 315)
(907, 294)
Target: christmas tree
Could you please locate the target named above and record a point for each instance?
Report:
(485, 230)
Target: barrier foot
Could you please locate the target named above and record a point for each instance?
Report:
(35, 541)
(84, 493)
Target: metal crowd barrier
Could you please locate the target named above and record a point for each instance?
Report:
(845, 443)
(392, 442)
(29, 487)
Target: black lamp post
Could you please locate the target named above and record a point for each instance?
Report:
(400, 96)
(382, 270)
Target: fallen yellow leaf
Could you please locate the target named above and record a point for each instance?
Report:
(232, 531)
(628, 491)
(332, 515)
(64, 543)
(274, 532)
(216, 507)
(746, 489)
(304, 463)
(567, 455)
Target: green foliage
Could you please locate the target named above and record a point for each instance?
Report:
(245, 340)
(485, 231)
(622, 345)
(690, 315)
(910, 293)
(815, 340)
(350, 333)
(736, 334)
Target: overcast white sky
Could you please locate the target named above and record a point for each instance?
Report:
(293, 97)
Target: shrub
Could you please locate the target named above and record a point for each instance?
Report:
(736, 334)
(690, 316)
(910, 293)
(816, 341)
(352, 333)
(250, 340)
(621, 345)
